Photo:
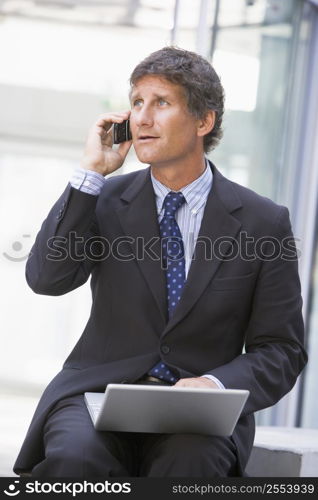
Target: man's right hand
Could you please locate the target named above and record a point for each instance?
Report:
(99, 154)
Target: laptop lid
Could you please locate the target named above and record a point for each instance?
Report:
(166, 409)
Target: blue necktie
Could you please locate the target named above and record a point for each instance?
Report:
(174, 264)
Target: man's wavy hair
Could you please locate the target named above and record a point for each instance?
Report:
(199, 80)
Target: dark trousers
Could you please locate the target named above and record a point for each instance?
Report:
(73, 448)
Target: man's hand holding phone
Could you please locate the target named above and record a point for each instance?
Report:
(99, 154)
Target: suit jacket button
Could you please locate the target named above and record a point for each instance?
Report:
(165, 349)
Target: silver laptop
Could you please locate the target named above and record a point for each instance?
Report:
(166, 409)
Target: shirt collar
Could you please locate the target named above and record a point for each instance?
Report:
(195, 193)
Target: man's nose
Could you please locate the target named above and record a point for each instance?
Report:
(143, 117)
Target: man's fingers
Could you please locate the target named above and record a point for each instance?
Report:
(104, 126)
(107, 137)
(106, 120)
(184, 382)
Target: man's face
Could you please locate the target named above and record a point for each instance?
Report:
(163, 130)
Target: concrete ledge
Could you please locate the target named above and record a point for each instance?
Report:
(284, 452)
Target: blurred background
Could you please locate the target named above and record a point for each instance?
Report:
(62, 62)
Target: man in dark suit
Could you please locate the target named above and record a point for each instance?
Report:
(194, 282)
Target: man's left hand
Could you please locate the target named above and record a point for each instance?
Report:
(197, 382)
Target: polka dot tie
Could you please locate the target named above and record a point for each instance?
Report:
(174, 264)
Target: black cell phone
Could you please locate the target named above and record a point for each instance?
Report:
(121, 132)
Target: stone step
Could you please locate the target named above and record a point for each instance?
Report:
(284, 452)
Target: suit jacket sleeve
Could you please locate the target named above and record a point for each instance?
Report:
(274, 353)
(60, 259)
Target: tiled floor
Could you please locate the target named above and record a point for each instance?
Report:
(15, 415)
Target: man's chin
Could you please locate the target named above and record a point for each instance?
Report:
(145, 157)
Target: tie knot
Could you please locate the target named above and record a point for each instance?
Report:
(172, 203)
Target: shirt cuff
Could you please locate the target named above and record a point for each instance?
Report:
(214, 379)
(87, 181)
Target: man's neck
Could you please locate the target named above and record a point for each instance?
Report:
(177, 176)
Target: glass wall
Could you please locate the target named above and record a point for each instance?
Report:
(308, 213)
(309, 413)
(254, 50)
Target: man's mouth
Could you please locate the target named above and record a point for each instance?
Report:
(146, 138)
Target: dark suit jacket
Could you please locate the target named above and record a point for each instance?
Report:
(232, 299)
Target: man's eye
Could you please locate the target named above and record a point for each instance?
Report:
(137, 102)
(162, 102)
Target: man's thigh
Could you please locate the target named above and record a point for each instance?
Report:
(187, 455)
(74, 448)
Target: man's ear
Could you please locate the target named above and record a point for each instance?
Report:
(206, 124)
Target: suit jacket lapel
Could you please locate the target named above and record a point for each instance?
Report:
(139, 219)
(217, 224)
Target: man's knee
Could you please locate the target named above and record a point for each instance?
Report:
(70, 458)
